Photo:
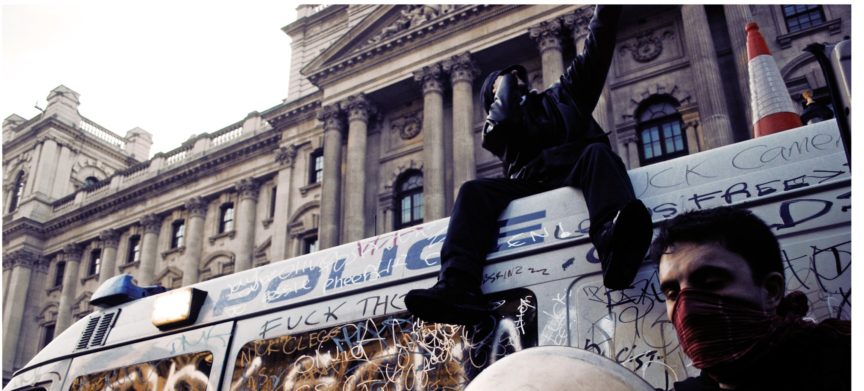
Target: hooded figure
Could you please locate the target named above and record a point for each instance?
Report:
(545, 140)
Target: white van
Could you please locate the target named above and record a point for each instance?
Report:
(335, 319)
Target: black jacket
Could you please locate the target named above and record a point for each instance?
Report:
(540, 136)
(815, 359)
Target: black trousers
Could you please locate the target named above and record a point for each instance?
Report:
(473, 229)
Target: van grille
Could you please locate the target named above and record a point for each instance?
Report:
(97, 329)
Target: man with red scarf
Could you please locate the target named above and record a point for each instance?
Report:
(722, 274)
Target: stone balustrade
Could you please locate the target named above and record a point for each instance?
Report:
(102, 133)
(201, 144)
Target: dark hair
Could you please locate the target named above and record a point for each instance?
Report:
(736, 229)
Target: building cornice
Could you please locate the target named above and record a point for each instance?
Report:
(22, 226)
(293, 112)
(206, 165)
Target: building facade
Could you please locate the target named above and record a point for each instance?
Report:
(379, 128)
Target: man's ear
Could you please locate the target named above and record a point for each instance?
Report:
(774, 286)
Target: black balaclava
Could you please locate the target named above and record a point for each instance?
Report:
(486, 96)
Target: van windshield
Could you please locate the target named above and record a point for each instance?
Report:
(184, 372)
(388, 352)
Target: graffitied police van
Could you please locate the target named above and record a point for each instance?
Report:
(335, 319)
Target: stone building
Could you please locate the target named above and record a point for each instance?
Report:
(379, 128)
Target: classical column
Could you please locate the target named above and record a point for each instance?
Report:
(632, 152)
(430, 78)
(548, 37)
(22, 262)
(286, 157)
(196, 210)
(248, 191)
(359, 110)
(577, 23)
(737, 16)
(706, 77)
(110, 239)
(149, 249)
(46, 166)
(72, 256)
(331, 184)
(7, 276)
(463, 70)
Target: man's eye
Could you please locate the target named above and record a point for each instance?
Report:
(671, 294)
(714, 283)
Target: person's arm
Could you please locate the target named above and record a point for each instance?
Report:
(503, 118)
(586, 75)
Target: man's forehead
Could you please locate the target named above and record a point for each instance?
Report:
(683, 258)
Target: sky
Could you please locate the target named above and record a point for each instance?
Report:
(174, 69)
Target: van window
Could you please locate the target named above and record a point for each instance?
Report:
(395, 351)
(185, 372)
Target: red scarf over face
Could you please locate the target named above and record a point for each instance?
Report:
(715, 329)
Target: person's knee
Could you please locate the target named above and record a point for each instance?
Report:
(473, 188)
(473, 185)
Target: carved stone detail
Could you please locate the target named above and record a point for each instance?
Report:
(647, 45)
(23, 258)
(72, 252)
(408, 126)
(248, 188)
(110, 238)
(547, 34)
(286, 156)
(412, 16)
(430, 78)
(332, 117)
(196, 206)
(151, 223)
(578, 21)
(359, 108)
(461, 68)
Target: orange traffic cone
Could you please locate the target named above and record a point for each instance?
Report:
(773, 110)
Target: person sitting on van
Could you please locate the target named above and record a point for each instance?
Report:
(546, 140)
(721, 271)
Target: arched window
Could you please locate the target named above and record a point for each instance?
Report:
(661, 136)
(177, 233)
(17, 191)
(409, 199)
(90, 181)
(226, 217)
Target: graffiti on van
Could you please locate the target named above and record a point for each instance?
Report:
(184, 372)
(379, 260)
(388, 352)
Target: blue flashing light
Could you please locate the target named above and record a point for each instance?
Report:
(121, 289)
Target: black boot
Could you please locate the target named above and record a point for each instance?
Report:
(622, 244)
(450, 302)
